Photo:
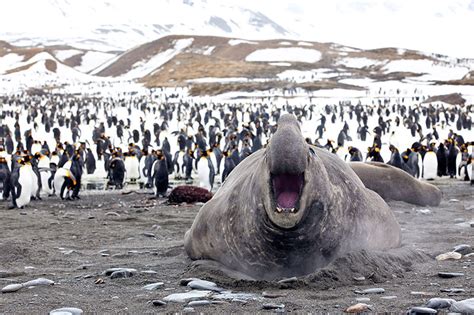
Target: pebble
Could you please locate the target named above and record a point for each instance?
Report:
(388, 297)
(453, 200)
(463, 249)
(453, 290)
(12, 288)
(421, 310)
(148, 234)
(371, 291)
(362, 299)
(158, 303)
(110, 271)
(238, 297)
(449, 256)
(38, 282)
(199, 303)
(288, 280)
(464, 306)
(273, 295)
(438, 303)
(149, 272)
(121, 274)
(450, 274)
(359, 278)
(153, 286)
(185, 282)
(188, 310)
(271, 306)
(66, 311)
(204, 285)
(187, 296)
(358, 308)
(112, 214)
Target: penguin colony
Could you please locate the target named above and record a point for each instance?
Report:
(57, 144)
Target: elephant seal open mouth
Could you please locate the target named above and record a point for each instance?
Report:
(288, 210)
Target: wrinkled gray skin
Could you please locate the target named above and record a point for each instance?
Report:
(392, 183)
(241, 229)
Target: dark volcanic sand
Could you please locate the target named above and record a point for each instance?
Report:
(58, 238)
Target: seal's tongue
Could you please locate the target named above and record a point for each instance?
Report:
(286, 188)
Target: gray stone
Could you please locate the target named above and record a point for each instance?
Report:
(185, 282)
(121, 274)
(153, 286)
(148, 234)
(38, 282)
(421, 310)
(288, 280)
(453, 290)
(364, 299)
(187, 296)
(204, 285)
(464, 306)
(439, 303)
(370, 291)
(12, 288)
(110, 271)
(389, 297)
(450, 274)
(188, 310)
(463, 249)
(242, 297)
(66, 311)
(158, 303)
(199, 303)
(273, 295)
(271, 306)
(359, 278)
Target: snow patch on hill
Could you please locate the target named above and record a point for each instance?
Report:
(145, 67)
(294, 54)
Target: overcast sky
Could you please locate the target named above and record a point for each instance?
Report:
(443, 26)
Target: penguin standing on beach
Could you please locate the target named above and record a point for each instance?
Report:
(206, 171)
(160, 175)
(5, 174)
(21, 183)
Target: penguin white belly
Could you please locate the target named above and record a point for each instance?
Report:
(34, 180)
(59, 181)
(55, 159)
(131, 168)
(143, 178)
(430, 165)
(385, 153)
(100, 171)
(45, 189)
(420, 165)
(203, 174)
(458, 163)
(35, 148)
(214, 160)
(26, 181)
(179, 165)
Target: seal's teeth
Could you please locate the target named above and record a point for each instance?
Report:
(279, 210)
(292, 210)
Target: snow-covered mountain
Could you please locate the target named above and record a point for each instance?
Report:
(111, 25)
(210, 65)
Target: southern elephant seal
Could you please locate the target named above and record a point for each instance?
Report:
(288, 210)
(392, 183)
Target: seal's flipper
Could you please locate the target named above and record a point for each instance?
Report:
(392, 183)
